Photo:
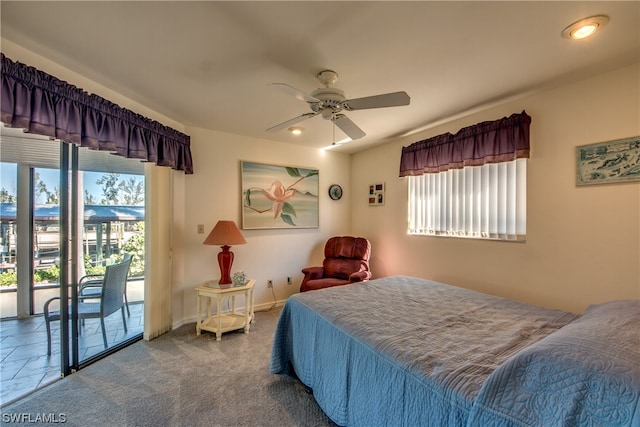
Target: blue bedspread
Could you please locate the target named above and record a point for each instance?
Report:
(586, 374)
(402, 350)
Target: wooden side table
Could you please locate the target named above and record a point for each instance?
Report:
(223, 322)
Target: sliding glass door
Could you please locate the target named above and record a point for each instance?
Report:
(68, 213)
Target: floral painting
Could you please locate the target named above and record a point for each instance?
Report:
(279, 196)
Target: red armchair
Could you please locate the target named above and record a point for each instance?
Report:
(346, 260)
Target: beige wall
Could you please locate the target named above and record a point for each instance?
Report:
(583, 243)
(213, 193)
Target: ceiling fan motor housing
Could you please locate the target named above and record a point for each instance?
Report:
(331, 100)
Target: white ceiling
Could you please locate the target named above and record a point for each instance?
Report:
(208, 64)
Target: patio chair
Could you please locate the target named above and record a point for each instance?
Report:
(110, 300)
(90, 284)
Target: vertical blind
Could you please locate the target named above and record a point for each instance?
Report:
(158, 290)
(480, 201)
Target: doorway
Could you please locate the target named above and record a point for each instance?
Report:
(66, 212)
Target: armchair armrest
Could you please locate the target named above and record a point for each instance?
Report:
(90, 281)
(359, 276)
(91, 278)
(46, 306)
(313, 273)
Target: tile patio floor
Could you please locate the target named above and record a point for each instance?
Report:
(24, 364)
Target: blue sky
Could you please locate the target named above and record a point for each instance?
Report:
(51, 179)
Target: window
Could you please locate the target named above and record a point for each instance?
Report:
(486, 201)
(472, 184)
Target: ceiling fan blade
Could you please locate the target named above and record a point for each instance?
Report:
(393, 99)
(348, 127)
(292, 91)
(290, 122)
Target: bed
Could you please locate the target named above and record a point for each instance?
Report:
(406, 351)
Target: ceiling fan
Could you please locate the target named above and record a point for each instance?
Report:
(329, 102)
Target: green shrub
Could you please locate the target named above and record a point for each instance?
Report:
(135, 246)
(89, 268)
(51, 274)
(8, 278)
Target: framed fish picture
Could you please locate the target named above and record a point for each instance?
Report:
(606, 162)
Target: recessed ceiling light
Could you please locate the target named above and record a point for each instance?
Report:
(295, 130)
(585, 27)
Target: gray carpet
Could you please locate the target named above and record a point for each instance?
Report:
(178, 379)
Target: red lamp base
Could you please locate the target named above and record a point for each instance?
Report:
(225, 260)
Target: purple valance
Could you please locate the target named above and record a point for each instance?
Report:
(487, 142)
(42, 104)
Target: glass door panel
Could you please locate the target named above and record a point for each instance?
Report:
(46, 237)
(8, 239)
(112, 225)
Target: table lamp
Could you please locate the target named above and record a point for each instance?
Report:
(225, 233)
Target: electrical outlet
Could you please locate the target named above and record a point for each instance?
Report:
(269, 284)
(288, 280)
(200, 228)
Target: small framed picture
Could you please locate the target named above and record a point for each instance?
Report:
(376, 194)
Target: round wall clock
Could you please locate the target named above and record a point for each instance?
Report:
(335, 192)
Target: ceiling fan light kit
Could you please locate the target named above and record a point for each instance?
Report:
(329, 102)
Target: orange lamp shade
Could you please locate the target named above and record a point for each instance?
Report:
(225, 234)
